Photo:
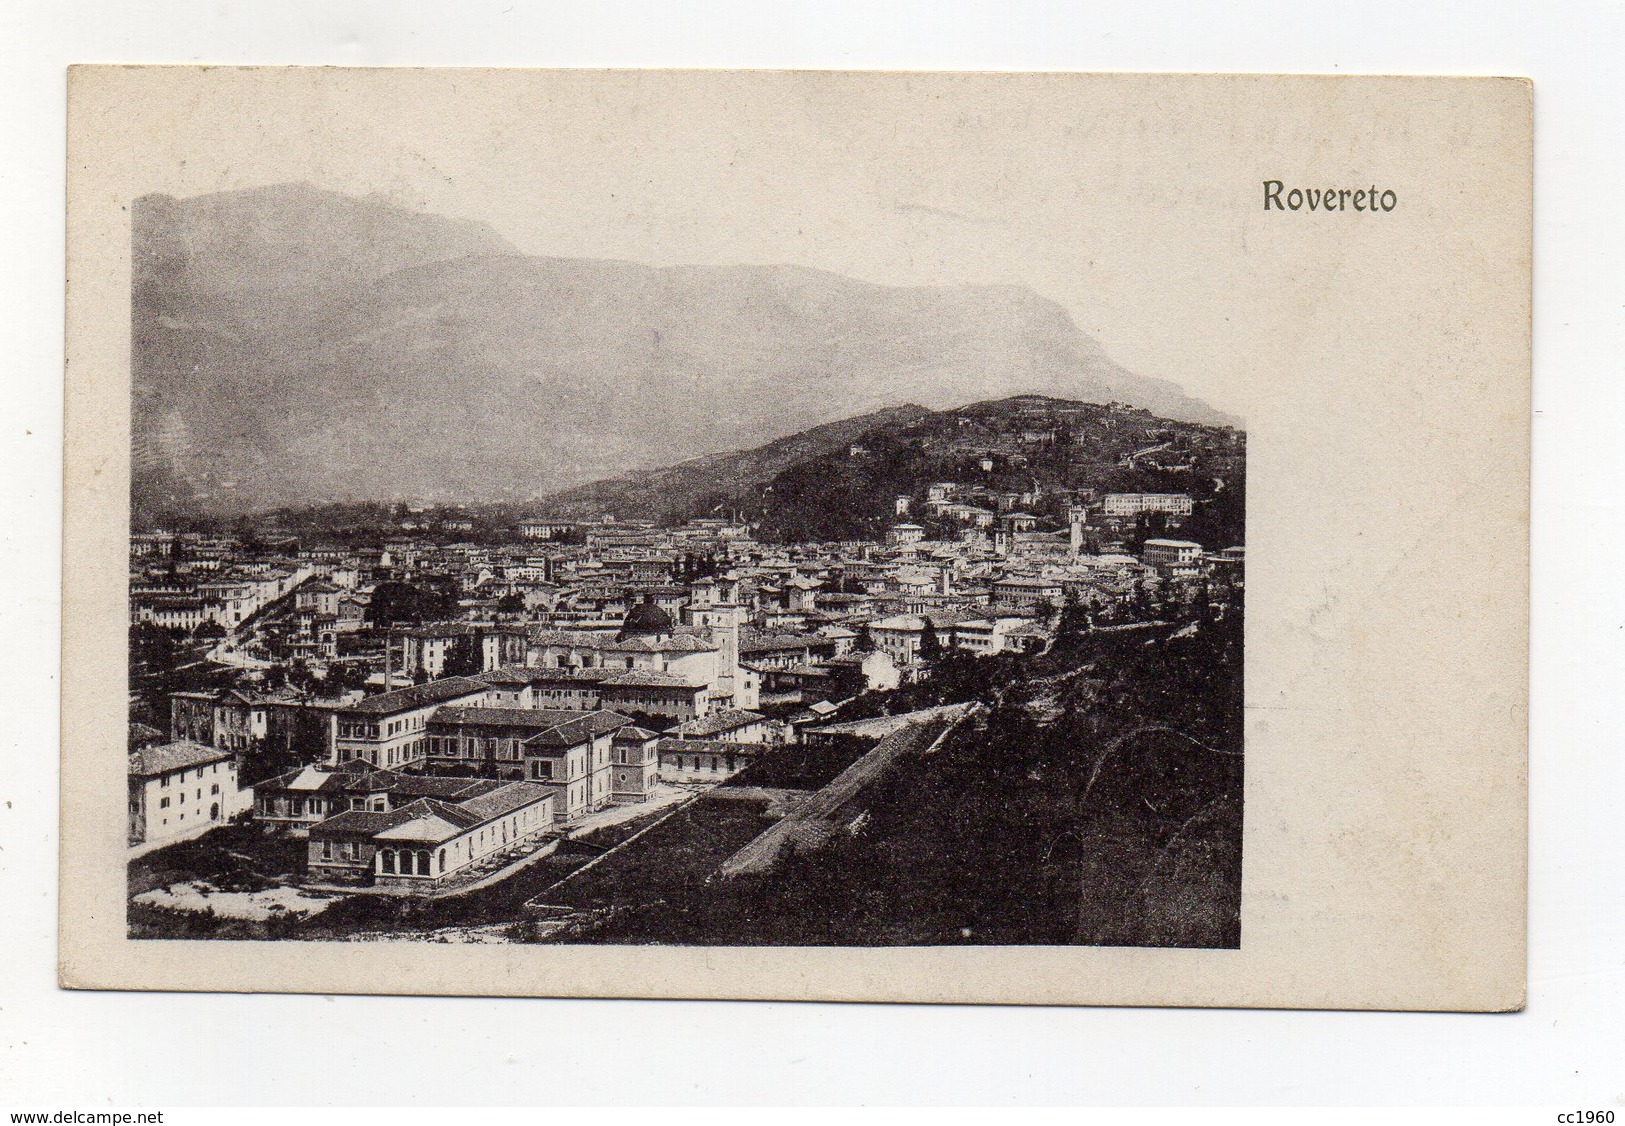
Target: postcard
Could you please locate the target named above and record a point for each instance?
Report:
(952, 537)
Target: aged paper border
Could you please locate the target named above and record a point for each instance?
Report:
(1385, 847)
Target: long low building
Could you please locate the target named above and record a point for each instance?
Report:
(420, 844)
(641, 690)
(176, 788)
(707, 760)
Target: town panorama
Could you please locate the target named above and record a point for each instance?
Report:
(1002, 705)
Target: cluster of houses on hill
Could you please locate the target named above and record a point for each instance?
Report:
(217, 592)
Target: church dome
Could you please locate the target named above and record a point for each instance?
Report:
(646, 620)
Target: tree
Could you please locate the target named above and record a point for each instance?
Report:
(397, 603)
(930, 643)
(342, 677)
(153, 645)
(463, 658)
(1074, 621)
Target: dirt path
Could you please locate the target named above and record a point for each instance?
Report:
(812, 821)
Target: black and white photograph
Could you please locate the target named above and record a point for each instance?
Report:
(789, 535)
(732, 555)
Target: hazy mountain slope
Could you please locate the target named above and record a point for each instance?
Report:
(717, 481)
(292, 346)
(841, 481)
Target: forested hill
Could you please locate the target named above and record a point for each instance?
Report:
(841, 482)
(719, 483)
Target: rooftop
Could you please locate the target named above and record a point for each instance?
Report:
(150, 762)
(420, 695)
(729, 719)
(537, 718)
(648, 678)
(572, 732)
(669, 745)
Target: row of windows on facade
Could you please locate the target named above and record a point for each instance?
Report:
(179, 777)
(214, 814)
(214, 791)
(298, 807)
(351, 729)
(513, 749)
(394, 756)
(711, 762)
(508, 829)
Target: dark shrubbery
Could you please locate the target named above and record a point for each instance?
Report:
(1117, 821)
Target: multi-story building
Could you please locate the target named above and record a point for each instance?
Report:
(902, 636)
(634, 755)
(566, 689)
(320, 597)
(243, 722)
(584, 689)
(732, 726)
(389, 729)
(1032, 595)
(301, 798)
(986, 636)
(484, 737)
(1170, 553)
(1120, 505)
(664, 665)
(574, 754)
(705, 760)
(764, 651)
(429, 649)
(658, 694)
(180, 788)
(546, 529)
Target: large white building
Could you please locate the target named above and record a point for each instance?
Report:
(987, 636)
(706, 653)
(1134, 504)
(1171, 553)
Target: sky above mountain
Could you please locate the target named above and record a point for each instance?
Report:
(861, 176)
(292, 345)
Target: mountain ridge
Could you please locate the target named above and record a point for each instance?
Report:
(295, 346)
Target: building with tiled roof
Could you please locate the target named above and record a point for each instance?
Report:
(567, 747)
(141, 736)
(699, 652)
(420, 844)
(706, 760)
(575, 756)
(734, 725)
(634, 758)
(180, 789)
(301, 798)
(407, 699)
(389, 729)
